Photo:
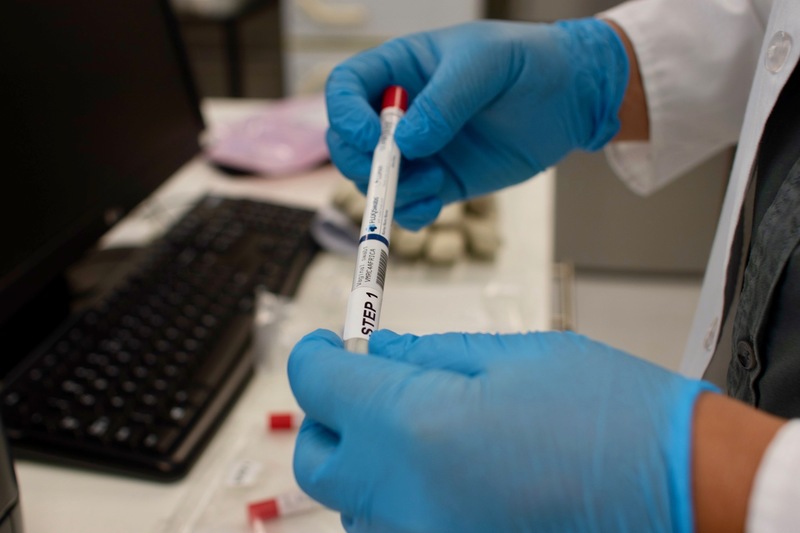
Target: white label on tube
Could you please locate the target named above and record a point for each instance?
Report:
(363, 313)
(372, 258)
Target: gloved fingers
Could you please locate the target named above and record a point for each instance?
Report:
(314, 458)
(471, 173)
(350, 113)
(419, 180)
(416, 216)
(354, 525)
(303, 378)
(418, 203)
(348, 523)
(454, 94)
(351, 162)
(355, 88)
(334, 386)
(472, 353)
(457, 352)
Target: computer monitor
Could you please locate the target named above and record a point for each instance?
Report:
(99, 109)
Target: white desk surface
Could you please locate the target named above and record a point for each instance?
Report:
(508, 294)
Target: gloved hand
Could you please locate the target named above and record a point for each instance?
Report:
(493, 103)
(477, 433)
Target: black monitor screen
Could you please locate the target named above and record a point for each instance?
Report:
(98, 110)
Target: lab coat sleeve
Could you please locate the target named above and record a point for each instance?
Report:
(697, 60)
(773, 506)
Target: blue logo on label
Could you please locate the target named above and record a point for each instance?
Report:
(373, 227)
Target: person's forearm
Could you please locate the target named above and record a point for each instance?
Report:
(634, 122)
(729, 439)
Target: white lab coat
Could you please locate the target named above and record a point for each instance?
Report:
(712, 71)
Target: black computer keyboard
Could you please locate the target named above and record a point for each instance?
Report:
(137, 382)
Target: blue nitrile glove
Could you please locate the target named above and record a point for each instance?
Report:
(493, 103)
(482, 433)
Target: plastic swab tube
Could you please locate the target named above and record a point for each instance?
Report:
(288, 503)
(284, 420)
(366, 296)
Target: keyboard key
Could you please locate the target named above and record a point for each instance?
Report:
(127, 435)
(117, 402)
(149, 399)
(142, 417)
(72, 387)
(99, 428)
(12, 399)
(69, 423)
(195, 396)
(181, 415)
(60, 404)
(129, 387)
(87, 400)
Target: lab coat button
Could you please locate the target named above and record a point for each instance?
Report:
(745, 355)
(778, 51)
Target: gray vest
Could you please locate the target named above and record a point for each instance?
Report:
(760, 343)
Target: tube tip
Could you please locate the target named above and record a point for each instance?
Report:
(395, 96)
(357, 345)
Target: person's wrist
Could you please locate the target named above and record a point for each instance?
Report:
(728, 441)
(633, 114)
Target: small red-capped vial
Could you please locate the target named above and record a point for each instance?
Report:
(286, 504)
(284, 420)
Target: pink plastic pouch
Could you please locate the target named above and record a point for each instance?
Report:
(286, 137)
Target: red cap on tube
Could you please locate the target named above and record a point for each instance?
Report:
(282, 421)
(395, 96)
(263, 510)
